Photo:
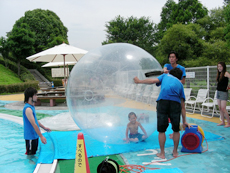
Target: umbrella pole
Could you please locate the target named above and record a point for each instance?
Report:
(64, 72)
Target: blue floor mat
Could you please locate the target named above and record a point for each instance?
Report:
(62, 145)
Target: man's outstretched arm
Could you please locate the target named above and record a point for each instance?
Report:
(146, 81)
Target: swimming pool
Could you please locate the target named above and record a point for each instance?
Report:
(12, 149)
(216, 159)
(13, 159)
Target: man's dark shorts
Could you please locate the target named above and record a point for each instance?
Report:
(31, 146)
(168, 109)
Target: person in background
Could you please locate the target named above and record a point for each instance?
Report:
(222, 92)
(173, 58)
(143, 117)
(30, 122)
(169, 105)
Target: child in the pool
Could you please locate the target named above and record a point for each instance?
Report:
(132, 127)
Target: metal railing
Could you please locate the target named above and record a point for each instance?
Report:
(202, 78)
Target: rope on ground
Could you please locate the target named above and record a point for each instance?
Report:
(140, 168)
(134, 168)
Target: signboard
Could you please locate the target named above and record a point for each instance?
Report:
(59, 72)
(190, 74)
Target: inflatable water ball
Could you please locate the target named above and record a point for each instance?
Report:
(101, 92)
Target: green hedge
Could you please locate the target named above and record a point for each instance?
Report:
(16, 88)
(57, 82)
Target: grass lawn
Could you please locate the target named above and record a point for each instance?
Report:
(8, 77)
(18, 113)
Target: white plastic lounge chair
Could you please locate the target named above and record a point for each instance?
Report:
(131, 92)
(116, 88)
(154, 95)
(124, 90)
(228, 109)
(192, 102)
(139, 91)
(119, 88)
(187, 93)
(209, 103)
(146, 93)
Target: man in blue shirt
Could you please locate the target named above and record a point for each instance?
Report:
(30, 122)
(173, 58)
(170, 104)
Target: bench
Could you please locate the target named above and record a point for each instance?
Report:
(50, 89)
(51, 98)
(51, 93)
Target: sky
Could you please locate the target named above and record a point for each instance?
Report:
(86, 19)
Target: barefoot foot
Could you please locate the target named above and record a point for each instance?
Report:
(161, 155)
(175, 153)
(221, 124)
(228, 125)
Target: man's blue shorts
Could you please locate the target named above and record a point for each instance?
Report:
(137, 135)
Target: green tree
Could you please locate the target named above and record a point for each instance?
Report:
(214, 24)
(139, 32)
(212, 53)
(215, 47)
(217, 51)
(189, 11)
(185, 12)
(226, 2)
(4, 50)
(166, 19)
(21, 43)
(47, 26)
(217, 34)
(184, 39)
(193, 50)
(227, 18)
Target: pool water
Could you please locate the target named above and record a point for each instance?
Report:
(12, 149)
(216, 159)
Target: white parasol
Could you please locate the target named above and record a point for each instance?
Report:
(60, 53)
